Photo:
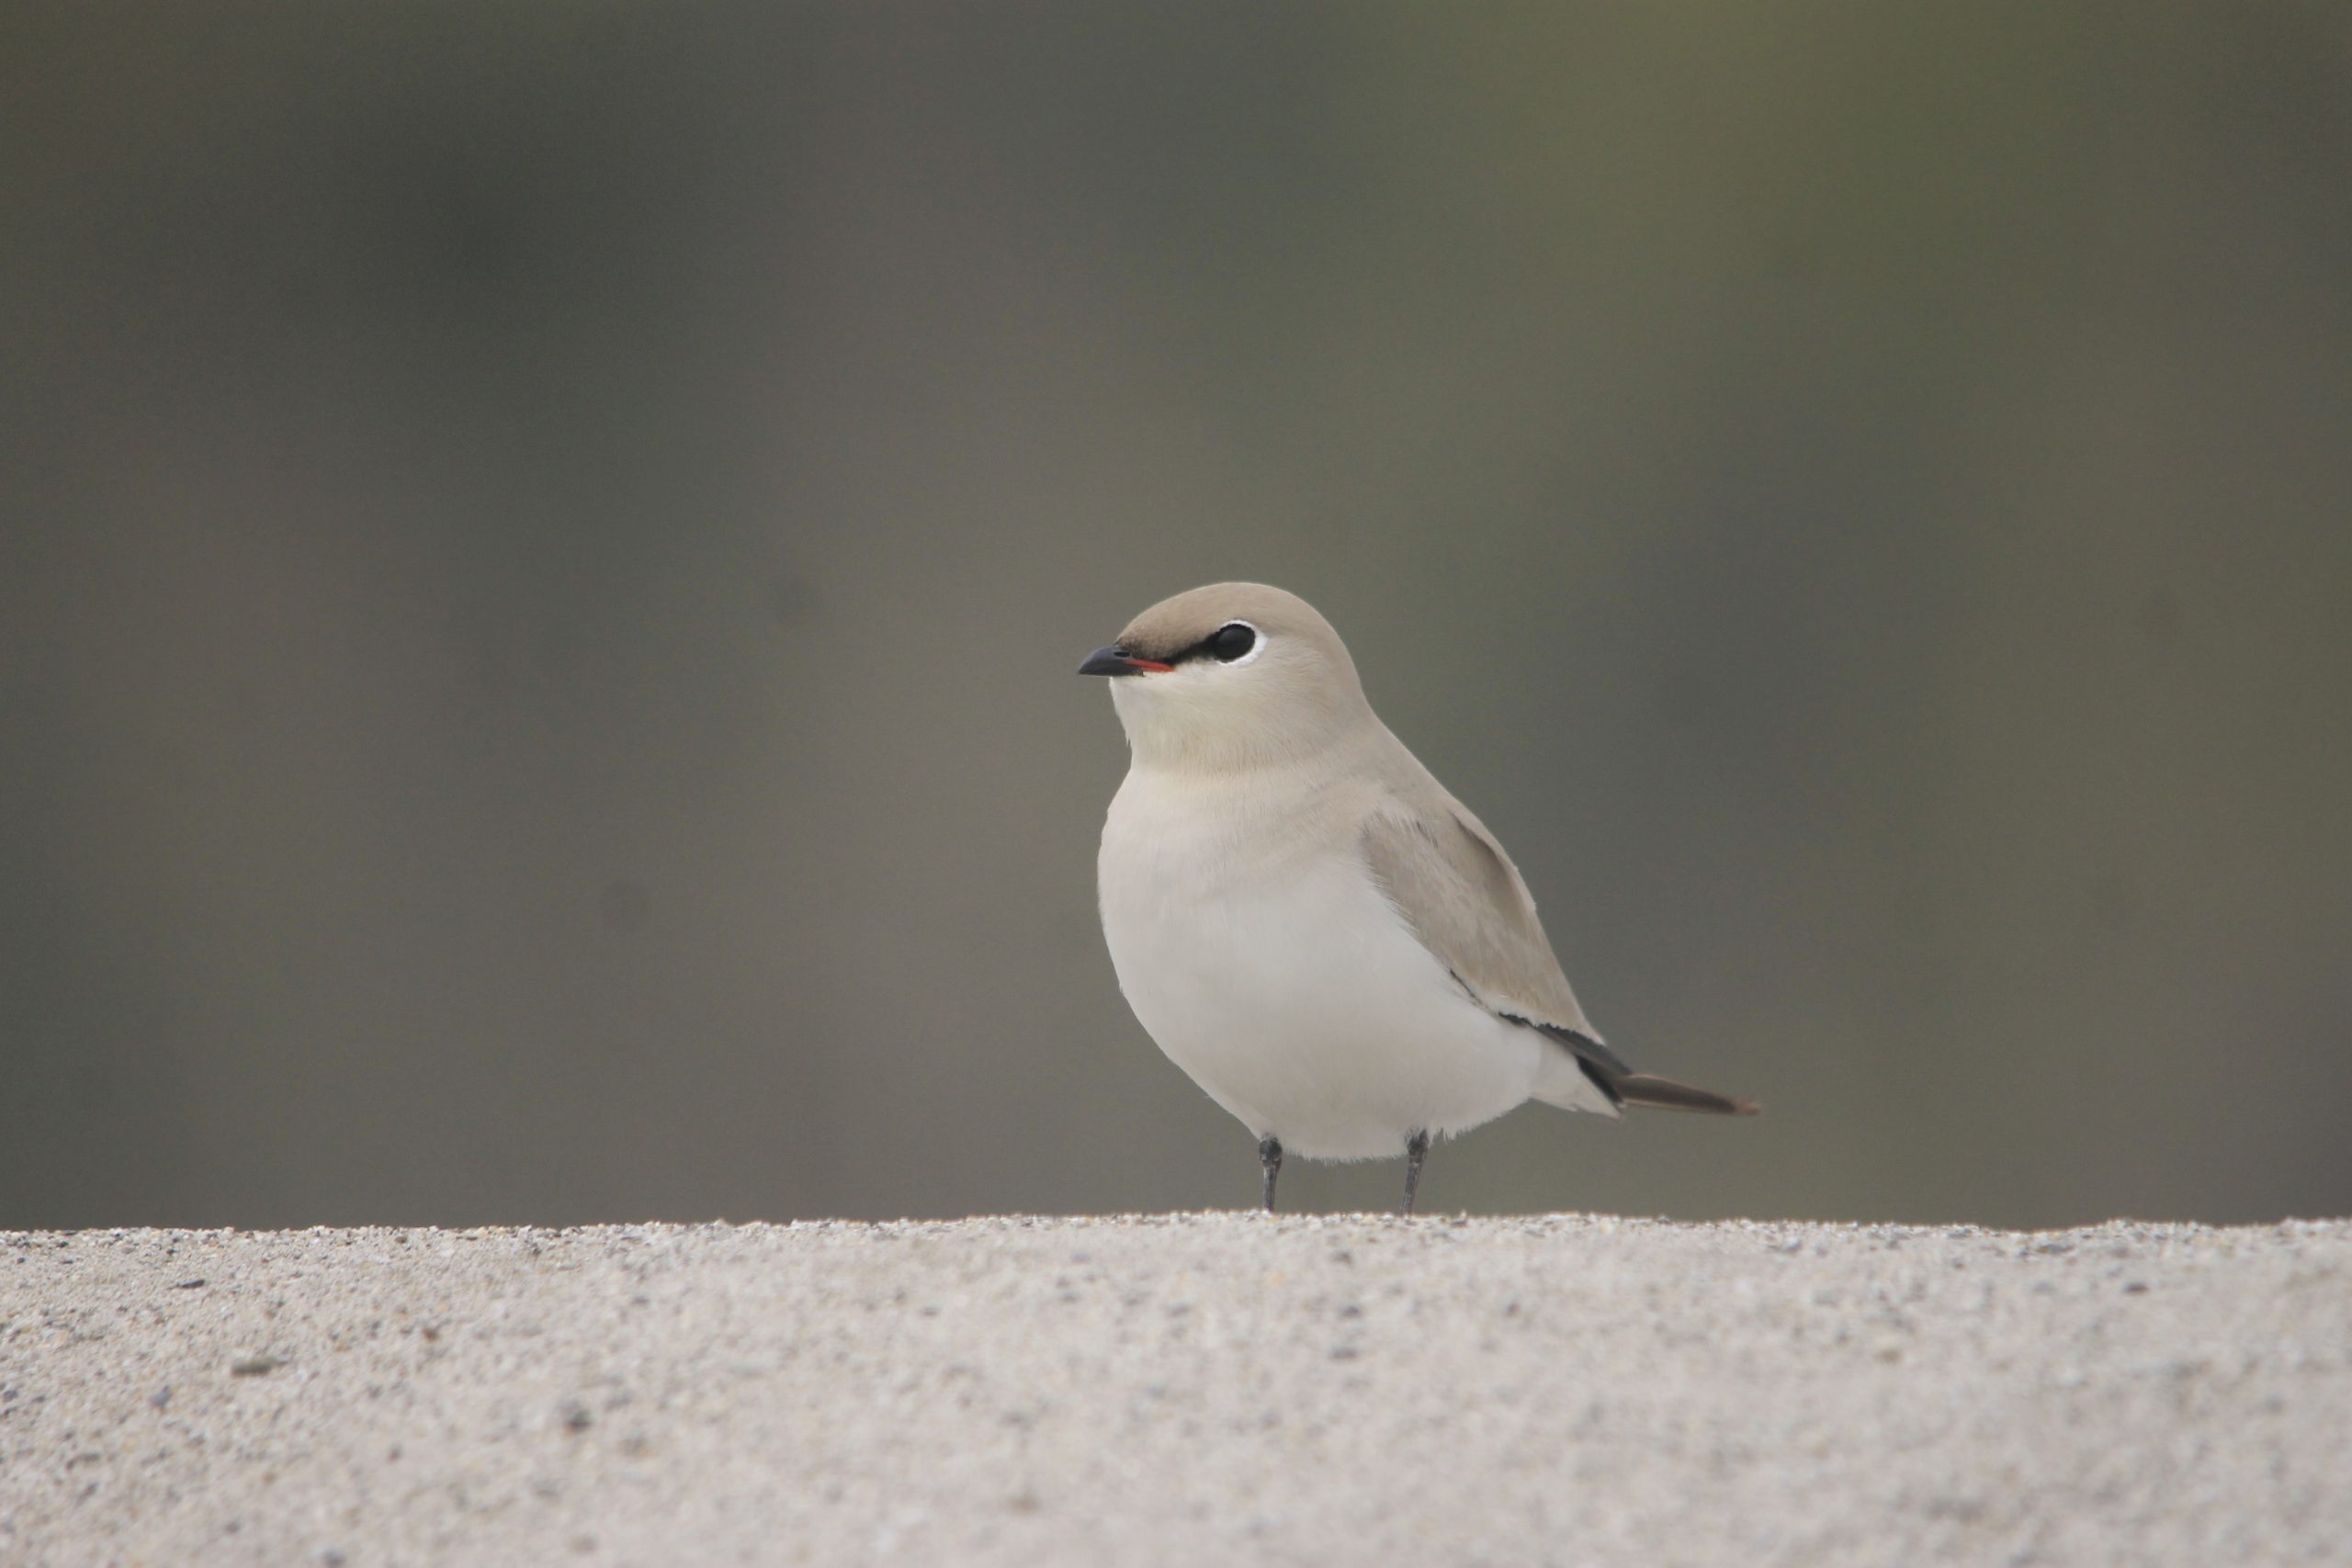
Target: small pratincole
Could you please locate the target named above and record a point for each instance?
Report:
(1333, 947)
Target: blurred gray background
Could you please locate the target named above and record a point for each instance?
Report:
(545, 546)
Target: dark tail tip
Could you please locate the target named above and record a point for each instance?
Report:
(1665, 1094)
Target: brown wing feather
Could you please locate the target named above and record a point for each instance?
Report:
(1465, 901)
(1464, 898)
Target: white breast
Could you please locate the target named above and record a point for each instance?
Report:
(1256, 949)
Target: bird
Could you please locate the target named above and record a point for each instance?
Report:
(1307, 922)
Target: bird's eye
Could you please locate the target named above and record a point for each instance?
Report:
(1232, 641)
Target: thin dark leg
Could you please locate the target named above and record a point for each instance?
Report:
(1416, 1149)
(1269, 1156)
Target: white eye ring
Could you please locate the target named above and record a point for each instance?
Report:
(1256, 646)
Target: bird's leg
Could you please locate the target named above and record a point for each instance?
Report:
(1269, 1156)
(1416, 1149)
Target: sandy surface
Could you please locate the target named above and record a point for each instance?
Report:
(1192, 1389)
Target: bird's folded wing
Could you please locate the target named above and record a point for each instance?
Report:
(1464, 900)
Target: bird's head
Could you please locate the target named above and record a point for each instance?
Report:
(1234, 675)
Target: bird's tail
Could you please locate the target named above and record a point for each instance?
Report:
(1665, 1094)
(1597, 1067)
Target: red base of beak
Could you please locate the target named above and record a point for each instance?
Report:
(1114, 660)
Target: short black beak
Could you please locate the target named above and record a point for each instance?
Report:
(1109, 662)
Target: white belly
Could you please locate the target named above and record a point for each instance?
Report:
(1284, 983)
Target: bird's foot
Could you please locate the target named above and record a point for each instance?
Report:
(1270, 1159)
(1416, 1149)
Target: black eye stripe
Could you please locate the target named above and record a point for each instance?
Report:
(1230, 641)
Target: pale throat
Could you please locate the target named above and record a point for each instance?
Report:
(1182, 732)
